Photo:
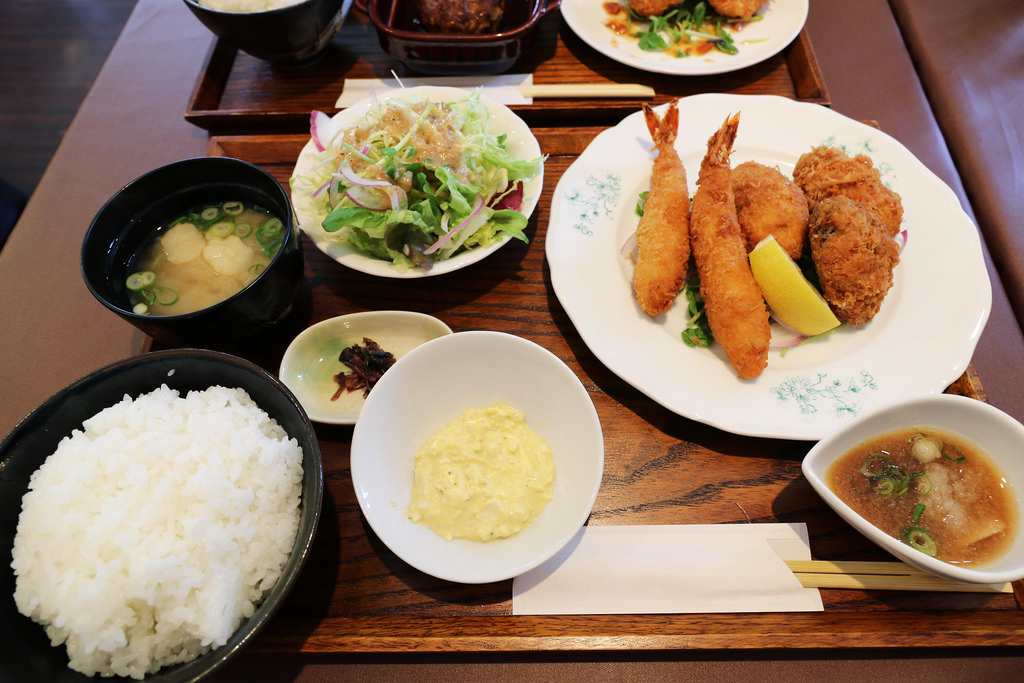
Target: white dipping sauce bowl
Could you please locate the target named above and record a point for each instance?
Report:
(990, 429)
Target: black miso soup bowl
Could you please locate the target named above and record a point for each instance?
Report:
(130, 219)
(25, 650)
(293, 36)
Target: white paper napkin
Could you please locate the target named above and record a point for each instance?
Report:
(501, 88)
(710, 568)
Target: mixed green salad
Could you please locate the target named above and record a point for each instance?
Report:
(689, 28)
(416, 182)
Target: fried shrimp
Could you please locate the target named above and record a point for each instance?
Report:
(854, 256)
(769, 203)
(733, 303)
(829, 171)
(743, 9)
(663, 235)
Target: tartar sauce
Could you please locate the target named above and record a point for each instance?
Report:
(485, 476)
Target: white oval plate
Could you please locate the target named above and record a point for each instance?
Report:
(311, 360)
(783, 20)
(520, 142)
(920, 342)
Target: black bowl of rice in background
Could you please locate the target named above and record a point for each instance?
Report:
(290, 33)
(200, 494)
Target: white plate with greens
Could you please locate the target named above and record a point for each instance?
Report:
(757, 41)
(311, 202)
(920, 342)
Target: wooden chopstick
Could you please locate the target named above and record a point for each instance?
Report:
(881, 576)
(856, 567)
(575, 90)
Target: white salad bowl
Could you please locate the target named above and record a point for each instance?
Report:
(990, 429)
(311, 360)
(434, 384)
(520, 143)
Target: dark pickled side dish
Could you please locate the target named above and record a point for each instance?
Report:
(931, 489)
(367, 363)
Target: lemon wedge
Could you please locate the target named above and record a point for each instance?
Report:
(790, 296)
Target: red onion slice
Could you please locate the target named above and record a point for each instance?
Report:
(355, 179)
(629, 246)
(452, 233)
(787, 343)
(398, 197)
(334, 191)
(901, 239)
(395, 194)
(368, 198)
(319, 124)
(318, 191)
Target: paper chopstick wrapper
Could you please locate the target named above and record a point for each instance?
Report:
(504, 88)
(671, 569)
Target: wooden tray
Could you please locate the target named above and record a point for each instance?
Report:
(237, 93)
(660, 468)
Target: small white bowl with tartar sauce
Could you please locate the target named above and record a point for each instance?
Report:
(460, 378)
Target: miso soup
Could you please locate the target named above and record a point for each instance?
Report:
(931, 489)
(203, 257)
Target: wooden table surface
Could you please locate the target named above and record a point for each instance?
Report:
(357, 598)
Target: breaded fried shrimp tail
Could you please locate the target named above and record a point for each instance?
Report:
(663, 234)
(735, 308)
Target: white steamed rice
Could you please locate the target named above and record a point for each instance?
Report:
(247, 5)
(146, 538)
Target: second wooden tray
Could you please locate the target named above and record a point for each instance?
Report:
(237, 93)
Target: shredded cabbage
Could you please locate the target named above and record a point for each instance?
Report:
(416, 182)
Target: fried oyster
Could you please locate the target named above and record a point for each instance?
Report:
(829, 172)
(854, 255)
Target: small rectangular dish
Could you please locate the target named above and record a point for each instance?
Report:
(404, 37)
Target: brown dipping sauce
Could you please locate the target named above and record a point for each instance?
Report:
(957, 507)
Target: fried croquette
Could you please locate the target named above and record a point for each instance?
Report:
(854, 255)
(769, 203)
(829, 171)
(663, 234)
(736, 311)
(743, 9)
(652, 8)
